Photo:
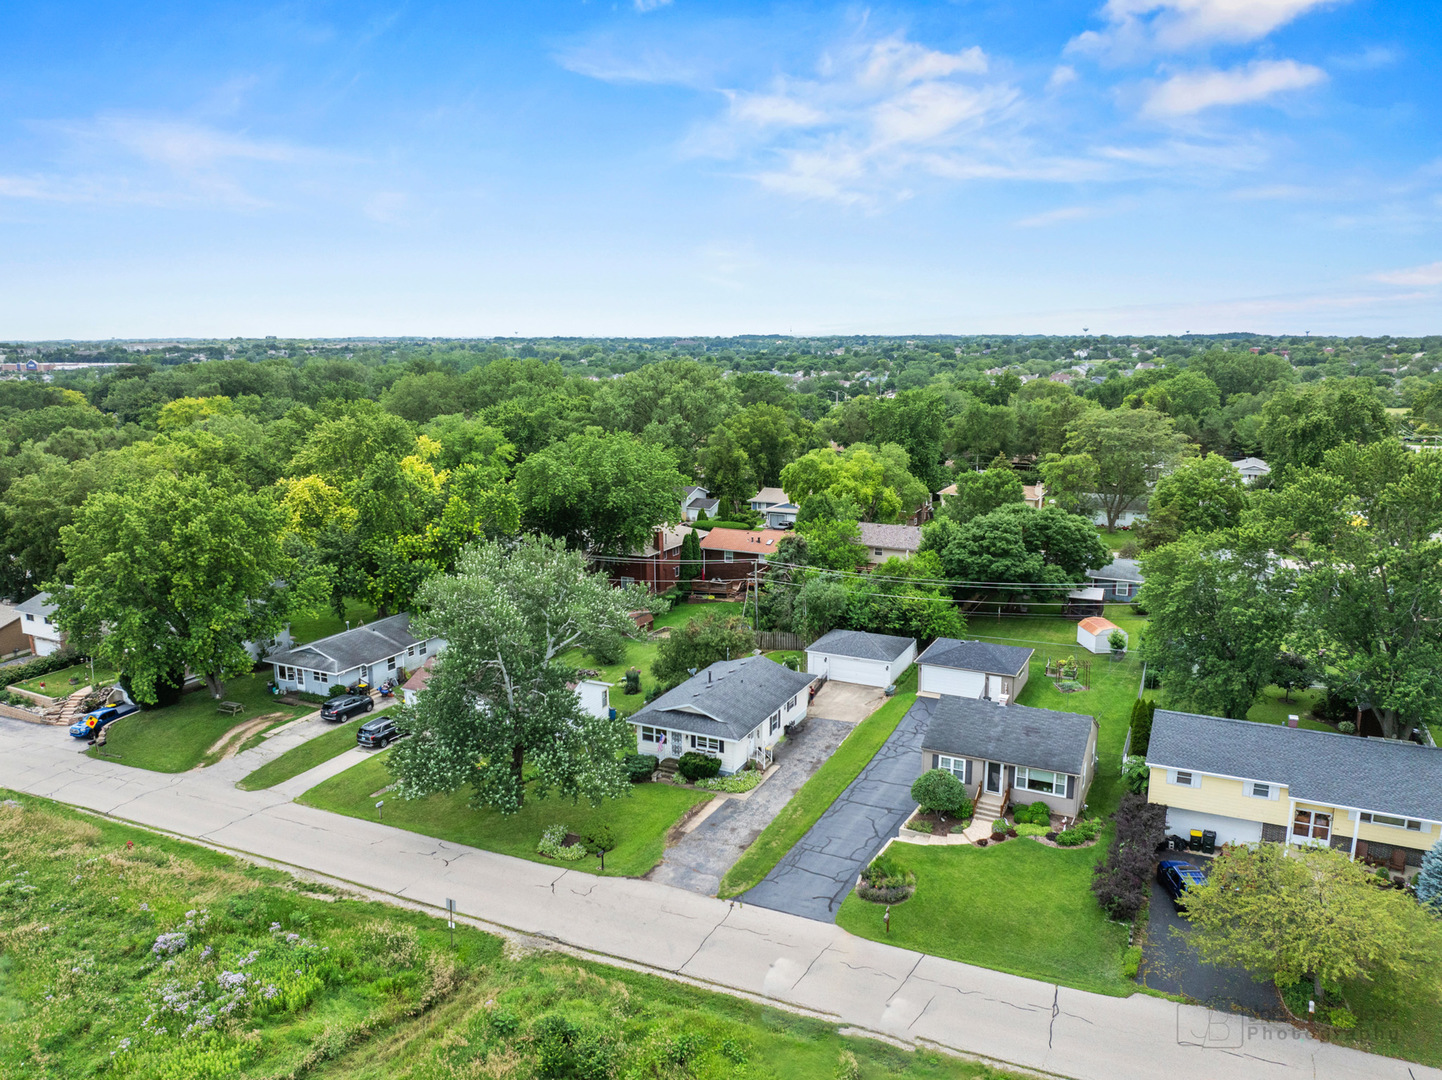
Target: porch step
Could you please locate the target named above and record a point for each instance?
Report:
(988, 808)
(667, 769)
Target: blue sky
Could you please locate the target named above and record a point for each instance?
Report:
(682, 167)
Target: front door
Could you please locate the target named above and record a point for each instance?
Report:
(993, 777)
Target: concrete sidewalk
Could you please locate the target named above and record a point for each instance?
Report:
(796, 961)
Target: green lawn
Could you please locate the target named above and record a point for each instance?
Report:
(366, 991)
(312, 627)
(1019, 907)
(58, 685)
(640, 821)
(175, 739)
(1273, 708)
(641, 653)
(298, 759)
(818, 793)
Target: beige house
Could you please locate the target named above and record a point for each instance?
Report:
(884, 542)
(1249, 782)
(1014, 753)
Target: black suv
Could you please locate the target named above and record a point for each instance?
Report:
(377, 733)
(346, 706)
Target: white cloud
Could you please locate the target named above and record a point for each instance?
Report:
(1193, 91)
(1431, 274)
(764, 110)
(1061, 75)
(1136, 27)
(644, 6)
(1059, 216)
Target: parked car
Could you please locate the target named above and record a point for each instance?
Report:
(1177, 877)
(345, 706)
(91, 723)
(377, 733)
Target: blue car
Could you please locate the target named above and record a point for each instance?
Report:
(90, 724)
(1177, 877)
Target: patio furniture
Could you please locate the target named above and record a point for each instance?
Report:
(1399, 860)
(230, 708)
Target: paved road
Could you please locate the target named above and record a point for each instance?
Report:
(752, 950)
(815, 876)
(1170, 965)
(700, 859)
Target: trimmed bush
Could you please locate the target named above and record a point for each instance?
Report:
(1123, 880)
(733, 785)
(1143, 709)
(694, 766)
(41, 665)
(939, 792)
(1026, 828)
(1037, 813)
(1083, 832)
(641, 767)
(1131, 961)
(633, 682)
(920, 826)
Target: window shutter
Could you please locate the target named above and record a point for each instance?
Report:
(1011, 776)
(722, 745)
(1071, 787)
(968, 771)
(936, 761)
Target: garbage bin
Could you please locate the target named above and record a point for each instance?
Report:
(1196, 844)
(1179, 843)
(1209, 842)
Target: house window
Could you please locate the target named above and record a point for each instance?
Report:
(321, 677)
(1048, 783)
(1185, 779)
(422, 648)
(391, 664)
(29, 617)
(792, 703)
(1260, 791)
(286, 674)
(954, 765)
(729, 556)
(775, 723)
(1311, 825)
(1394, 822)
(411, 651)
(708, 745)
(876, 551)
(675, 571)
(605, 699)
(653, 735)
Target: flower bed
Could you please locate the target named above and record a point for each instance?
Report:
(735, 784)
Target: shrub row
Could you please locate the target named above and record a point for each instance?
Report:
(41, 665)
(1083, 832)
(640, 767)
(1037, 813)
(733, 785)
(1123, 879)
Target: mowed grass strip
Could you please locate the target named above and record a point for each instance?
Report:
(57, 684)
(178, 738)
(302, 758)
(1019, 907)
(640, 820)
(818, 793)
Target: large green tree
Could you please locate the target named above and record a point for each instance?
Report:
(699, 644)
(1203, 494)
(980, 493)
(1016, 545)
(176, 572)
(497, 714)
(1289, 914)
(603, 491)
(1300, 424)
(771, 436)
(1221, 609)
(1118, 454)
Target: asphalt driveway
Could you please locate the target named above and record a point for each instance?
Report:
(815, 876)
(1170, 965)
(701, 858)
(846, 701)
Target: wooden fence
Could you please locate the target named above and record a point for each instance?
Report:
(771, 640)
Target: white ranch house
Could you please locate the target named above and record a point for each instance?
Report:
(374, 652)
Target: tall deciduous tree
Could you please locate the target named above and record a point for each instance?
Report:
(1312, 913)
(174, 573)
(980, 493)
(1300, 424)
(1220, 611)
(698, 645)
(606, 491)
(1128, 450)
(497, 714)
(1018, 545)
(1200, 495)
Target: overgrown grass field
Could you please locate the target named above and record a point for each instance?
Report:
(640, 821)
(131, 955)
(178, 738)
(818, 793)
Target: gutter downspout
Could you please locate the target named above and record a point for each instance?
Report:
(1291, 815)
(1356, 827)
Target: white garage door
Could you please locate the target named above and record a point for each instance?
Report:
(848, 669)
(1229, 830)
(940, 680)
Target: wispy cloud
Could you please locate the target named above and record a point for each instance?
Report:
(1139, 27)
(644, 6)
(1431, 274)
(1058, 217)
(1192, 91)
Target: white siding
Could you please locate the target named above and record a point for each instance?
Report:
(943, 680)
(595, 697)
(850, 669)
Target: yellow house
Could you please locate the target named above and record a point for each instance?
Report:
(1249, 782)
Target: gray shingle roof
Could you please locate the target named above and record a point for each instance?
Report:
(728, 699)
(39, 604)
(351, 648)
(976, 656)
(1386, 776)
(899, 537)
(1118, 570)
(862, 645)
(1012, 734)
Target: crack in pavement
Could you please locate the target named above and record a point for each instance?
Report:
(811, 965)
(922, 1013)
(1055, 1011)
(868, 967)
(705, 939)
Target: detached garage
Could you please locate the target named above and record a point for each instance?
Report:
(856, 657)
(973, 669)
